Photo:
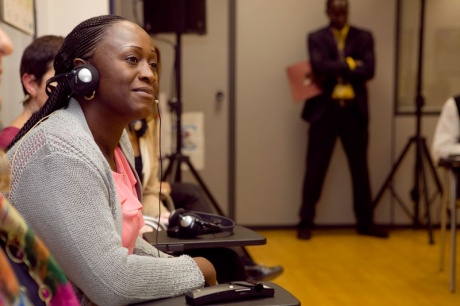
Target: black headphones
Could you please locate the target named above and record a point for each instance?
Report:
(83, 80)
(139, 127)
(189, 225)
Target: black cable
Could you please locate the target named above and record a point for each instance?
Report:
(157, 102)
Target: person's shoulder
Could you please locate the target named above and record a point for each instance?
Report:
(451, 106)
(360, 30)
(319, 32)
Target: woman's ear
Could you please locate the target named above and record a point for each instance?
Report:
(30, 84)
(78, 61)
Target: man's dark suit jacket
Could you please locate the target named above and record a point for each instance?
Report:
(327, 67)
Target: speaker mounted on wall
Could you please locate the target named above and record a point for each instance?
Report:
(175, 16)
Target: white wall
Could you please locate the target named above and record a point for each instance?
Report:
(60, 17)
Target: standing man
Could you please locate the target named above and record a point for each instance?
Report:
(342, 59)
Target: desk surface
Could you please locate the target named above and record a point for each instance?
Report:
(241, 236)
(281, 298)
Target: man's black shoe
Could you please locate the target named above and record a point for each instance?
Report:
(263, 273)
(304, 233)
(373, 231)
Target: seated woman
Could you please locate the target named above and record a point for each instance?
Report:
(72, 169)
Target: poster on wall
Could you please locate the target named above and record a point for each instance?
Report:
(193, 142)
(19, 14)
(193, 139)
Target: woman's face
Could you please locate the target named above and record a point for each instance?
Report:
(127, 65)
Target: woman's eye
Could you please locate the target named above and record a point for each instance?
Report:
(154, 65)
(132, 59)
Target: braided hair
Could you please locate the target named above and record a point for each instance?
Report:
(79, 43)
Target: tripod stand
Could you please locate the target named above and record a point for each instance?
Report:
(422, 156)
(176, 159)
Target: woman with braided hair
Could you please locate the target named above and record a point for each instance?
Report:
(72, 177)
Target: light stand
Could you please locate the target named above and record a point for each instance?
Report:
(422, 156)
(176, 159)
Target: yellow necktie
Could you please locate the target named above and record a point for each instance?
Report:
(342, 91)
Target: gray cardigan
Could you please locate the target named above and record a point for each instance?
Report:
(63, 187)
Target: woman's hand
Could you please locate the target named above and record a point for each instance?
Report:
(209, 273)
(166, 187)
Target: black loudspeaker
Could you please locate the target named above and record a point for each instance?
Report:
(191, 224)
(83, 80)
(175, 16)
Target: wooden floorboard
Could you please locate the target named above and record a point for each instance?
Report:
(339, 267)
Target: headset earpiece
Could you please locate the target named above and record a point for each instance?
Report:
(174, 217)
(139, 127)
(189, 226)
(83, 80)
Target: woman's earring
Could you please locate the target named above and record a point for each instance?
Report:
(90, 98)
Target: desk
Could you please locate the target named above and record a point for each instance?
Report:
(282, 298)
(241, 236)
(452, 164)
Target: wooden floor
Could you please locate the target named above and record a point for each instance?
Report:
(339, 267)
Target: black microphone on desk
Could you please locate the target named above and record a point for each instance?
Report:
(258, 287)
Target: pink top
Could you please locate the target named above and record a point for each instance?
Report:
(125, 183)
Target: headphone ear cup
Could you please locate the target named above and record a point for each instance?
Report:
(189, 225)
(84, 80)
(174, 218)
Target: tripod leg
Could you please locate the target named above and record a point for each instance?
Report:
(168, 169)
(175, 161)
(427, 202)
(393, 171)
(415, 192)
(205, 188)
